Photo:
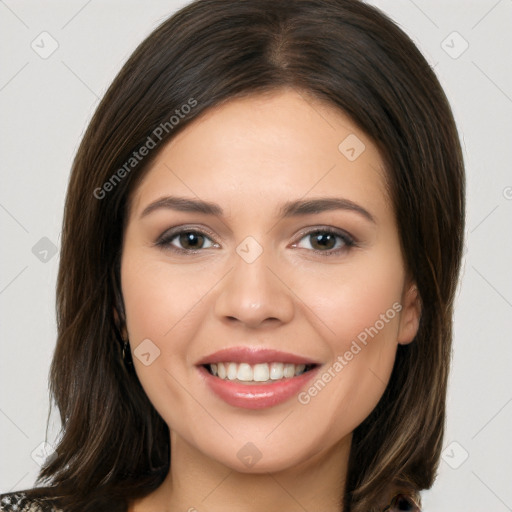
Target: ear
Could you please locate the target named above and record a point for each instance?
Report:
(411, 314)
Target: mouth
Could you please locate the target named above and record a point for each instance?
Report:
(256, 378)
(245, 373)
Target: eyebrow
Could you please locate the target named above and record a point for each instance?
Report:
(288, 209)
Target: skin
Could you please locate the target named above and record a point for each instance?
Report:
(250, 156)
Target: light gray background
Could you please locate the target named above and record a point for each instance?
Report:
(46, 105)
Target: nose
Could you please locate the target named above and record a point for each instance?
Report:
(254, 295)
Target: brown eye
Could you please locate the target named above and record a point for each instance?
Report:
(185, 240)
(191, 240)
(326, 241)
(321, 240)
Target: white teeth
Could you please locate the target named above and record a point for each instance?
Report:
(261, 372)
(289, 370)
(276, 371)
(221, 370)
(232, 371)
(244, 373)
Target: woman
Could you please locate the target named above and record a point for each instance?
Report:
(220, 351)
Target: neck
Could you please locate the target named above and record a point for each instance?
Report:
(197, 483)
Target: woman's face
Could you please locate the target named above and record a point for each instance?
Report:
(296, 252)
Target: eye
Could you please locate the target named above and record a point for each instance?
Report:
(189, 240)
(326, 241)
(323, 241)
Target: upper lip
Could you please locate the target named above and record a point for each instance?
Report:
(254, 356)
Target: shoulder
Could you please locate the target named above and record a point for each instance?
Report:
(19, 502)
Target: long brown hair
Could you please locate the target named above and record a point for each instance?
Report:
(114, 446)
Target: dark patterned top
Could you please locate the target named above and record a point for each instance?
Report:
(18, 502)
(403, 502)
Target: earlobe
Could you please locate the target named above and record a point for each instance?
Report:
(411, 314)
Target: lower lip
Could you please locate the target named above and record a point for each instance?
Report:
(256, 396)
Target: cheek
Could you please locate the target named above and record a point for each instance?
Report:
(361, 306)
(159, 299)
(162, 305)
(355, 298)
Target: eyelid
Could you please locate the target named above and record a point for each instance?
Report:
(331, 229)
(176, 230)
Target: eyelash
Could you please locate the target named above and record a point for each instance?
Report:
(348, 241)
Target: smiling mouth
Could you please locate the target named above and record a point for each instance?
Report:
(246, 373)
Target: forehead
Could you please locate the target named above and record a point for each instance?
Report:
(267, 147)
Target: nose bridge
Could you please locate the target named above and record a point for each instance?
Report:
(251, 292)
